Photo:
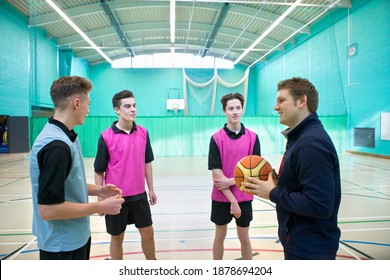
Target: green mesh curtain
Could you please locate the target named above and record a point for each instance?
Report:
(190, 136)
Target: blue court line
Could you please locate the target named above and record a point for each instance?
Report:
(260, 237)
(366, 243)
(125, 241)
(357, 250)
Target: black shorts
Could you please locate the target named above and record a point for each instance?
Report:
(135, 210)
(78, 254)
(220, 213)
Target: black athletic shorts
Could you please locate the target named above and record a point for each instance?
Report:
(78, 254)
(220, 213)
(135, 210)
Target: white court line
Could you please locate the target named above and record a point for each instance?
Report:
(17, 253)
(15, 195)
(15, 230)
(368, 193)
(205, 227)
(24, 200)
(233, 237)
(349, 252)
(13, 243)
(265, 235)
(365, 218)
(14, 167)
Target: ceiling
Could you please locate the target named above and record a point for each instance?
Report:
(223, 29)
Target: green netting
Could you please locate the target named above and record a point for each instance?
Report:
(190, 136)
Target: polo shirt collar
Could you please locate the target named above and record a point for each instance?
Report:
(70, 133)
(117, 130)
(232, 133)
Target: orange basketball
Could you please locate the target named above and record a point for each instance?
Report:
(251, 166)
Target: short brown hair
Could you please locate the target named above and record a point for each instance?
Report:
(67, 86)
(116, 99)
(299, 87)
(230, 96)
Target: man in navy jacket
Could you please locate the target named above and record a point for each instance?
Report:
(308, 192)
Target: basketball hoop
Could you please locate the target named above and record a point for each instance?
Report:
(175, 107)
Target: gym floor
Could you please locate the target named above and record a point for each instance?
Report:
(183, 230)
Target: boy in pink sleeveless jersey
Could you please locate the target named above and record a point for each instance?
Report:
(227, 147)
(125, 157)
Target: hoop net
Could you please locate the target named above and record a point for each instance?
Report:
(175, 107)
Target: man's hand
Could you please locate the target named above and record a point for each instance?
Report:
(258, 187)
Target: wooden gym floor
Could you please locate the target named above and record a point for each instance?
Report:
(183, 230)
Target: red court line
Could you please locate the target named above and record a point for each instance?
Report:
(210, 250)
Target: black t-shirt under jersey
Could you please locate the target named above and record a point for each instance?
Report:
(55, 162)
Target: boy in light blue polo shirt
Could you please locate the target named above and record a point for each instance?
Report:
(59, 189)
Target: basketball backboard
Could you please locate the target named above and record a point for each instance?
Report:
(175, 104)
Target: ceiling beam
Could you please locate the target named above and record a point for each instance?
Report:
(78, 30)
(157, 46)
(53, 17)
(117, 27)
(342, 4)
(217, 26)
(180, 45)
(209, 38)
(262, 15)
(269, 29)
(159, 27)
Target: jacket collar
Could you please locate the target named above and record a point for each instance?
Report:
(291, 133)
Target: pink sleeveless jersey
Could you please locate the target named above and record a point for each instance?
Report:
(232, 150)
(126, 166)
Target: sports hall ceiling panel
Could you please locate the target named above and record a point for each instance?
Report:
(223, 29)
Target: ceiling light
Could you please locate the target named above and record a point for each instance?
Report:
(78, 30)
(269, 29)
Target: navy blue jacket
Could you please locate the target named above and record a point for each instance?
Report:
(308, 193)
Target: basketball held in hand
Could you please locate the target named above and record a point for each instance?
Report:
(251, 166)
